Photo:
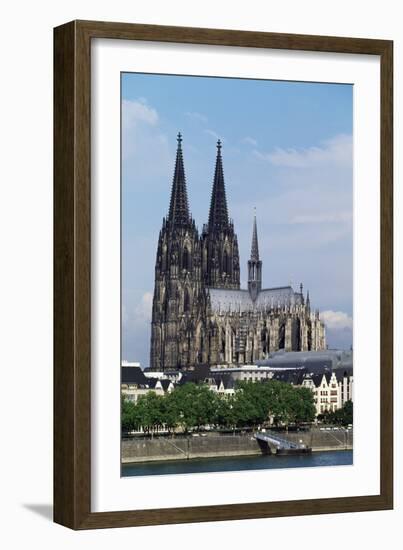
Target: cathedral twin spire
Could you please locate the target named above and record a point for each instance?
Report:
(219, 244)
(218, 215)
(179, 208)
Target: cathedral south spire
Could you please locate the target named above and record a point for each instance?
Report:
(178, 208)
(254, 265)
(220, 257)
(218, 215)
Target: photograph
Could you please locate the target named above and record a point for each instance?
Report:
(237, 274)
(199, 214)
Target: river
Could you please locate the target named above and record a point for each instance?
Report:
(228, 464)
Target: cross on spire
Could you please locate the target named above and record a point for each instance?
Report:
(178, 208)
(218, 215)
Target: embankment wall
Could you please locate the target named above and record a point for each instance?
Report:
(174, 448)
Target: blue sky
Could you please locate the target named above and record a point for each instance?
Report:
(287, 149)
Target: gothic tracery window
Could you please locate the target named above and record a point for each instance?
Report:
(296, 341)
(226, 263)
(281, 336)
(186, 301)
(185, 259)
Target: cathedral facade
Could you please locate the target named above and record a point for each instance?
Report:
(200, 315)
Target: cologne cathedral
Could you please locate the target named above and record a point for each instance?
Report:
(200, 314)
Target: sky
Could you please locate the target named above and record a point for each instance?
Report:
(287, 150)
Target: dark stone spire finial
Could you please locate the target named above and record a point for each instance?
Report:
(178, 208)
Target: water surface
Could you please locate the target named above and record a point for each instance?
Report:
(228, 464)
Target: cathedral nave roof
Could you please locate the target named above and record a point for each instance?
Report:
(240, 300)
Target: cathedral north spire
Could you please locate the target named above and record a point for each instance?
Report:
(218, 215)
(178, 279)
(178, 208)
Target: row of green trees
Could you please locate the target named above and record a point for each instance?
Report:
(341, 417)
(190, 407)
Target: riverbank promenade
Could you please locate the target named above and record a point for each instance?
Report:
(209, 445)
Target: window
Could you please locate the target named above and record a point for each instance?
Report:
(186, 301)
(185, 259)
(226, 263)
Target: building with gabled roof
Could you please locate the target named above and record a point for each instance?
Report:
(331, 390)
(135, 384)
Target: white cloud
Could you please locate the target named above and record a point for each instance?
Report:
(143, 309)
(199, 117)
(143, 141)
(337, 150)
(249, 141)
(214, 134)
(136, 111)
(337, 320)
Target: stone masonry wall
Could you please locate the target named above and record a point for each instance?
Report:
(164, 448)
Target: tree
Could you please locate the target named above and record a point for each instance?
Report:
(150, 412)
(225, 414)
(340, 417)
(250, 405)
(131, 416)
(127, 414)
(205, 406)
(171, 411)
(193, 406)
(256, 403)
(348, 413)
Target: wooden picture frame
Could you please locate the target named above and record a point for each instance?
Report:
(72, 271)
